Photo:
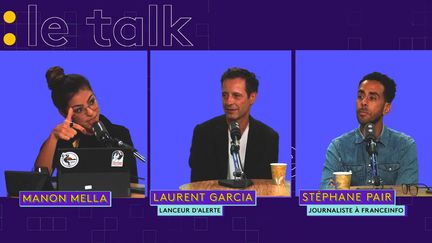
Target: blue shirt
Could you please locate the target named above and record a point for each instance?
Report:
(397, 158)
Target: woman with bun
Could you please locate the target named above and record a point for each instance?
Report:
(76, 102)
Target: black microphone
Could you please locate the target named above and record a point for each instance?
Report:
(235, 132)
(122, 144)
(235, 148)
(370, 131)
(371, 148)
(370, 138)
(101, 133)
(240, 180)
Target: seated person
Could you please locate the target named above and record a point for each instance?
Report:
(209, 154)
(76, 102)
(397, 155)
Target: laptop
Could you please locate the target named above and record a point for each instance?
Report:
(94, 169)
(17, 181)
(116, 182)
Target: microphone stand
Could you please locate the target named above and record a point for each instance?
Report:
(373, 159)
(240, 180)
(238, 172)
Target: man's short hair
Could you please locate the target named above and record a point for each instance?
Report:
(388, 83)
(249, 77)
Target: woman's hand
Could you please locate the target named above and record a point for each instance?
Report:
(67, 129)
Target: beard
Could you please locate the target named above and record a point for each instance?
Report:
(373, 119)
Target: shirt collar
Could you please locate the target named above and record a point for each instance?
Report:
(383, 139)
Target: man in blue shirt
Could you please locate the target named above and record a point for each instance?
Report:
(397, 153)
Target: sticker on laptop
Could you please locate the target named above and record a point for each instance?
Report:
(69, 159)
(117, 158)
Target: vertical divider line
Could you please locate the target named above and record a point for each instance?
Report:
(293, 122)
(148, 123)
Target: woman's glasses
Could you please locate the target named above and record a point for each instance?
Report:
(91, 103)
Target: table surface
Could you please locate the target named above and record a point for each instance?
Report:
(421, 192)
(263, 187)
(137, 186)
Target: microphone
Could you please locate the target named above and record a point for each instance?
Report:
(371, 148)
(370, 138)
(101, 133)
(127, 146)
(235, 148)
(240, 180)
(235, 133)
(370, 131)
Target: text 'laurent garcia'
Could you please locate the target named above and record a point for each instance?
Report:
(64, 199)
(234, 198)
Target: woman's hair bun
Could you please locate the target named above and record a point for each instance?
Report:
(55, 77)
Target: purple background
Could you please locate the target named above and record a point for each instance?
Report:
(186, 91)
(224, 25)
